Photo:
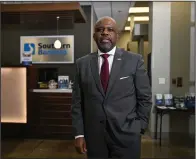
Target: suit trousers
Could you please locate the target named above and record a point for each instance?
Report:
(106, 146)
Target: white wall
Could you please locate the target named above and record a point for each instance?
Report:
(160, 23)
(180, 45)
(192, 62)
(182, 65)
(192, 46)
(169, 41)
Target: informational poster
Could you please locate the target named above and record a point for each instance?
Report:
(63, 82)
(42, 50)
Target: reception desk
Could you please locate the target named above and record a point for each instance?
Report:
(29, 112)
(50, 113)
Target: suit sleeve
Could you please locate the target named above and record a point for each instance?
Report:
(76, 108)
(143, 94)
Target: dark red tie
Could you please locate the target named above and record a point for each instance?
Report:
(105, 71)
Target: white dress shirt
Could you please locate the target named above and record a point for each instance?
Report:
(110, 58)
(100, 62)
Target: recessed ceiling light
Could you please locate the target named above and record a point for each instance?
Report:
(141, 18)
(127, 28)
(139, 10)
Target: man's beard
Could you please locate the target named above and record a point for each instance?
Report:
(105, 47)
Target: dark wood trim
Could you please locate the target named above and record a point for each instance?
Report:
(46, 7)
(36, 7)
(13, 130)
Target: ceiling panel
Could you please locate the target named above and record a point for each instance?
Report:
(102, 9)
(120, 12)
(117, 10)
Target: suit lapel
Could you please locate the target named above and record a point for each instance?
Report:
(116, 66)
(95, 72)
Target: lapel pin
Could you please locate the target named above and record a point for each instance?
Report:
(119, 59)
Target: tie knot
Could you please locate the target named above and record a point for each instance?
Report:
(105, 56)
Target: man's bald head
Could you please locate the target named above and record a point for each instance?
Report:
(105, 33)
(105, 18)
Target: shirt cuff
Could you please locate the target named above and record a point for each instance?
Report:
(79, 136)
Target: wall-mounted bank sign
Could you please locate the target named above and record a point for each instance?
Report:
(41, 50)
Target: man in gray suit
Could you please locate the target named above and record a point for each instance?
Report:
(111, 98)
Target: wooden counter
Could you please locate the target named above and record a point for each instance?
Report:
(52, 90)
(49, 113)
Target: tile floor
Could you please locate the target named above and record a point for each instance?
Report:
(37, 148)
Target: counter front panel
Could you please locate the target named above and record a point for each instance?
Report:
(50, 114)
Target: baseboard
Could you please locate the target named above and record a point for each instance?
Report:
(167, 135)
(13, 130)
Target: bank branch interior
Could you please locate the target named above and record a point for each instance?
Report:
(40, 42)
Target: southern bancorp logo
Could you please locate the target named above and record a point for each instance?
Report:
(29, 49)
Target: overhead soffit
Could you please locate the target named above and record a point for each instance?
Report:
(64, 10)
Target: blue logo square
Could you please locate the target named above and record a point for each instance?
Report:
(29, 48)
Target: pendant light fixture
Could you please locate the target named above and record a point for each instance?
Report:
(57, 43)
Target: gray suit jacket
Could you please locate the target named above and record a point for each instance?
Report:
(126, 104)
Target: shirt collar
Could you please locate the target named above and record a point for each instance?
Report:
(111, 52)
